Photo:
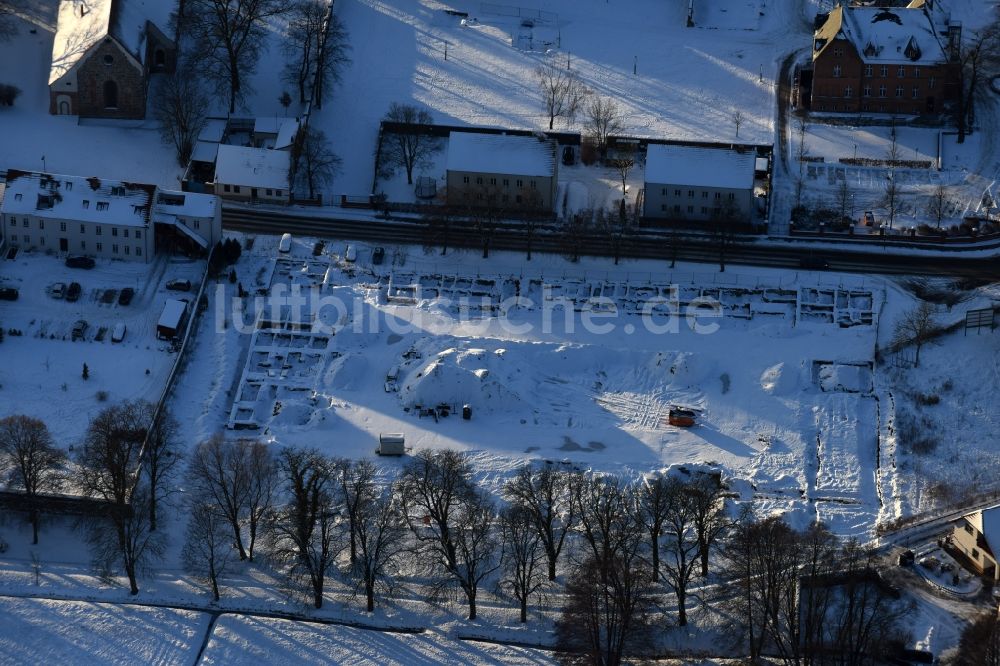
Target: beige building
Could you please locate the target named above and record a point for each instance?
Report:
(252, 174)
(977, 536)
(101, 218)
(698, 184)
(502, 171)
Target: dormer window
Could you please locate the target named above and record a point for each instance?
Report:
(69, 185)
(820, 43)
(870, 50)
(117, 191)
(17, 197)
(102, 205)
(912, 50)
(86, 204)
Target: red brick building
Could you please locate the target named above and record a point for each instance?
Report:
(103, 54)
(885, 60)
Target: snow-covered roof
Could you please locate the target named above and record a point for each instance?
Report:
(252, 167)
(192, 204)
(699, 167)
(204, 151)
(500, 153)
(284, 130)
(83, 23)
(214, 130)
(896, 35)
(987, 521)
(173, 310)
(73, 198)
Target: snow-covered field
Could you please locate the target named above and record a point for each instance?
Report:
(398, 52)
(39, 631)
(41, 374)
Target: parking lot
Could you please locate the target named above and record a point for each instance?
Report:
(64, 317)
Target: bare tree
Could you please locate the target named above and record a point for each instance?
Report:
(122, 537)
(451, 519)
(607, 523)
(681, 547)
(938, 206)
(522, 556)
(380, 541)
(980, 642)
(332, 59)
(160, 458)
(546, 494)
(32, 461)
(357, 490)
(605, 618)
(738, 119)
(8, 15)
(892, 152)
(603, 117)
(306, 526)
(410, 147)
(916, 327)
(708, 508)
(230, 38)
(314, 164)
(892, 197)
(723, 230)
(181, 109)
(207, 546)
(624, 166)
(655, 496)
(238, 477)
(562, 92)
(979, 61)
(314, 48)
(843, 198)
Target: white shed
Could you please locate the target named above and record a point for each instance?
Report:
(391, 444)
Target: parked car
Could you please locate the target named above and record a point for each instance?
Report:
(378, 255)
(179, 285)
(351, 255)
(73, 293)
(8, 294)
(80, 262)
(125, 296)
(58, 290)
(813, 262)
(869, 218)
(285, 244)
(79, 329)
(118, 334)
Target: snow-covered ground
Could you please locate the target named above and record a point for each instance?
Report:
(41, 374)
(35, 140)
(399, 56)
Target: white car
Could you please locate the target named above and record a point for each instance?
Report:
(118, 334)
(285, 244)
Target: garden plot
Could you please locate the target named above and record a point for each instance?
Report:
(43, 364)
(410, 351)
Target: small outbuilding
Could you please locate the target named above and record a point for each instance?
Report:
(171, 319)
(391, 444)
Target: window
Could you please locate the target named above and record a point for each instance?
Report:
(848, 91)
(663, 191)
(197, 225)
(114, 231)
(225, 188)
(137, 210)
(25, 223)
(102, 205)
(867, 92)
(520, 183)
(109, 60)
(17, 197)
(532, 183)
(506, 182)
(663, 207)
(975, 554)
(41, 240)
(884, 71)
(704, 195)
(69, 185)
(138, 251)
(99, 247)
(868, 70)
(126, 233)
(83, 229)
(83, 245)
(117, 191)
(690, 209)
(931, 84)
(718, 195)
(836, 71)
(98, 230)
(732, 196)
(901, 72)
(269, 192)
(479, 180)
(62, 226)
(677, 193)
(899, 91)
(110, 93)
(114, 249)
(968, 528)
(137, 236)
(41, 224)
(881, 91)
(493, 181)
(837, 51)
(236, 189)
(916, 72)
(916, 92)
(690, 194)
(27, 238)
(86, 204)
(128, 250)
(13, 221)
(277, 193)
(704, 210)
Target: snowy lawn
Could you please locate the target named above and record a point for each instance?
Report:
(241, 639)
(43, 367)
(38, 631)
(399, 56)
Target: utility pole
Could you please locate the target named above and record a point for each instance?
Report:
(635, 65)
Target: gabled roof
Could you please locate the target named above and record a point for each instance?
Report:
(987, 521)
(699, 167)
(501, 154)
(897, 35)
(83, 23)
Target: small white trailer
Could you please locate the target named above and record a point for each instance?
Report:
(391, 444)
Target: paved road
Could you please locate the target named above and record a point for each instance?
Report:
(658, 247)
